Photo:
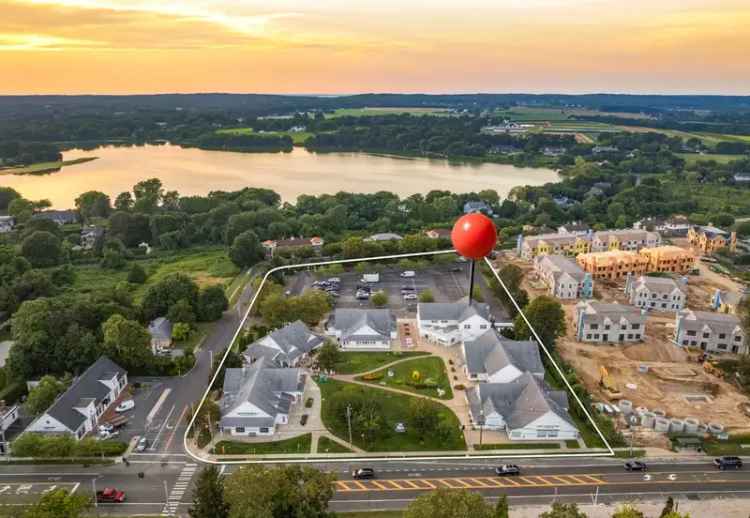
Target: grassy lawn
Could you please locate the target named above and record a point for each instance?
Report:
(372, 514)
(356, 362)
(326, 445)
(45, 167)
(299, 444)
(431, 370)
(364, 112)
(519, 446)
(735, 445)
(572, 444)
(693, 158)
(394, 409)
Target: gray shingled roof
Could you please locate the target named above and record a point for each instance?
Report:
(559, 264)
(88, 386)
(490, 353)
(293, 339)
(520, 402)
(718, 322)
(657, 284)
(160, 329)
(596, 312)
(349, 321)
(458, 311)
(267, 388)
(384, 236)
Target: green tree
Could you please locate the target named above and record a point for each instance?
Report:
(44, 394)
(7, 195)
(59, 503)
(124, 202)
(93, 204)
(379, 299)
(423, 416)
(127, 341)
(212, 303)
(426, 296)
(148, 195)
(180, 331)
(113, 259)
(21, 209)
(246, 250)
(137, 274)
(627, 511)
(449, 503)
(208, 495)
(328, 355)
(279, 492)
(181, 311)
(42, 249)
(162, 295)
(546, 316)
(502, 510)
(563, 511)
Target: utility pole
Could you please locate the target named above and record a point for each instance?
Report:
(471, 280)
(349, 421)
(93, 486)
(166, 493)
(481, 422)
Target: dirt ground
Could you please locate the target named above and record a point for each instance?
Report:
(655, 374)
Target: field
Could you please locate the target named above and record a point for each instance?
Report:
(298, 137)
(430, 369)
(206, 266)
(528, 113)
(326, 445)
(365, 112)
(394, 409)
(45, 167)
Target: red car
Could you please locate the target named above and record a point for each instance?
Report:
(110, 495)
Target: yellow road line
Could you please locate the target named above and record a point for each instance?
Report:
(342, 486)
(381, 486)
(479, 482)
(510, 481)
(580, 481)
(446, 481)
(360, 484)
(562, 479)
(430, 484)
(493, 481)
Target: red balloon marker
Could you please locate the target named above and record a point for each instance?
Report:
(474, 236)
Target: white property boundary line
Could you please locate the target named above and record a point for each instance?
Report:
(402, 458)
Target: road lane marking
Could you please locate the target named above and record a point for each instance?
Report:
(155, 442)
(381, 486)
(157, 406)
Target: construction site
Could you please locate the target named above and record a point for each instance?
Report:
(677, 389)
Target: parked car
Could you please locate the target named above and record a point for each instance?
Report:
(142, 445)
(408, 273)
(728, 462)
(303, 420)
(635, 465)
(103, 435)
(362, 295)
(126, 405)
(410, 296)
(507, 469)
(363, 473)
(110, 495)
(106, 428)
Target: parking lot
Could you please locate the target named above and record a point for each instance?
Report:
(448, 283)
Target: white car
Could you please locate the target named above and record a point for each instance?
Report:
(410, 296)
(408, 273)
(400, 428)
(126, 405)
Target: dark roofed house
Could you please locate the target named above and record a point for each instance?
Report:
(61, 217)
(160, 330)
(526, 408)
(438, 233)
(258, 398)
(270, 246)
(78, 409)
(477, 206)
(494, 359)
(284, 347)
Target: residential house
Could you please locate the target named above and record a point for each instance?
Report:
(6, 224)
(9, 414)
(564, 278)
(270, 246)
(563, 201)
(609, 323)
(525, 408)
(613, 265)
(284, 347)
(553, 151)
(385, 236)
(256, 399)
(438, 233)
(362, 329)
(61, 217)
(552, 244)
(676, 226)
(576, 228)
(477, 206)
(160, 330)
(669, 258)
(656, 293)
(710, 239)
(632, 240)
(741, 178)
(90, 235)
(724, 301)
(712, 332)
(448, 323)
(597, 150)
(78, 409)
(493, 359)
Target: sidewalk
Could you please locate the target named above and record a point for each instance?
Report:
(719, 508)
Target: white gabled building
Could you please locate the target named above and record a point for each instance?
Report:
(656, 293)
(525, 408)
(629, 240)
(564, 278)
(449, 323)
(284, 347)
(362, 329)
(78, 409)
(493, 359)
(609, 323)
(712, 332)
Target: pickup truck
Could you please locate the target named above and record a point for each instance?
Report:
(110, 495)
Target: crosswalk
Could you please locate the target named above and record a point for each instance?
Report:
(179, 489)
(428, 484)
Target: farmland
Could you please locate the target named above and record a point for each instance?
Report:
(368, 112)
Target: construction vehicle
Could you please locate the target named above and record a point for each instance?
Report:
(605, 381)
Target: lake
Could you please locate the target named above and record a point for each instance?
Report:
(194, 171)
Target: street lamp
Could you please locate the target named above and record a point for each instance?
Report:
(481, 422)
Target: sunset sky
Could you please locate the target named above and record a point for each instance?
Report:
(353, 46)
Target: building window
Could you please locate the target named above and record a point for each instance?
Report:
(264, 430)
(239, 429)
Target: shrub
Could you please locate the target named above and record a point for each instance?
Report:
(373, 376)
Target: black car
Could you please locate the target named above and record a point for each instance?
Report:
(363, 473)
(507, 469)
(635, 465)
(728, 462)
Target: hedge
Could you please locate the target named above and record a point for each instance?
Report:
(49, 446)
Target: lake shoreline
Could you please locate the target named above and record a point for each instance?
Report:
(43, 168)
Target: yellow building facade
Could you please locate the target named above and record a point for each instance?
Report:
(669, 259)
(613, 264)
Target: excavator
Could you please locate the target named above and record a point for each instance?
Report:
(605, 381)
(709, 365)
